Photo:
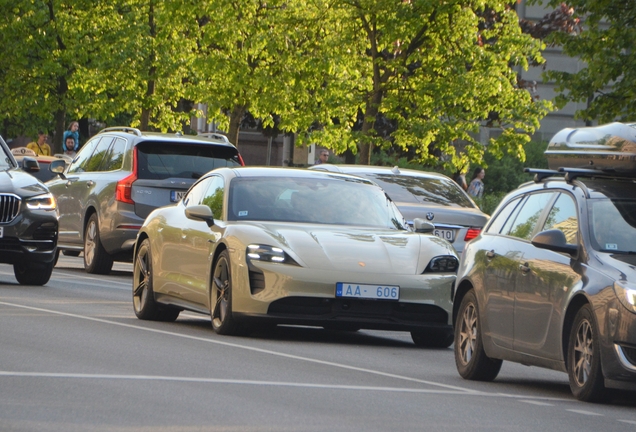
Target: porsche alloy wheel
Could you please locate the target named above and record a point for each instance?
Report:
(96, 259)
(470, 358)
(223, 322)
(584, 359)
(144, 303)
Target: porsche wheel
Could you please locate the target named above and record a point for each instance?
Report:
(470, 358)
(584, 359)
(432, 338)
(144, 304)
(96, 259)
(223, 322)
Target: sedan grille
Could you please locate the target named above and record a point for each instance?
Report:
(9, 207)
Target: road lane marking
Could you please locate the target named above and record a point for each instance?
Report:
(590, 413)
(279, 354)
(226, 381)
(533, 402)
(628, 421)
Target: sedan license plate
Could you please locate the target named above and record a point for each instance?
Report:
(445, 234)
(175, 196)
(378, 292)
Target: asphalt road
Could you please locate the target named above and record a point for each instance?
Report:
(73, 357)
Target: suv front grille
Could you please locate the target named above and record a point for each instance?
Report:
(9, 207)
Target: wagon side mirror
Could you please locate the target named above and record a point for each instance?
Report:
(554, 240)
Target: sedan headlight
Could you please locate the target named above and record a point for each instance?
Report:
(442, 264)
(41, 202)
(268, 254)
(626, 293)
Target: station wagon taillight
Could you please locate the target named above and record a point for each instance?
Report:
(123, 191)
(472, 233)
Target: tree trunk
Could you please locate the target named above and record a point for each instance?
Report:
(370, 113)
(235, 122)
(60, 127)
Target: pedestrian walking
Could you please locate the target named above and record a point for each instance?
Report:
(476, 186)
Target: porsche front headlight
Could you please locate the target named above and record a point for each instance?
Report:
(626, 293)
(41, 202)
(269, 254)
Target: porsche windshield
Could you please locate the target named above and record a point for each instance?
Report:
(312, 200)
(613, 225)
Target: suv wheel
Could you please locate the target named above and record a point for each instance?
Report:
(96, 259)
(31, 273)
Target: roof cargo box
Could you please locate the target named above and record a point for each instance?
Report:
(610, 147)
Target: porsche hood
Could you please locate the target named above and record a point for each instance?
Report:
(357, 249)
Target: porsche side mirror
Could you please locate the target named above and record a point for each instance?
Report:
(200, 212)
(554, 240)
(422, 226)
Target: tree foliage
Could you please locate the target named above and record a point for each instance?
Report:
(435, 71)
(440, 70)
(606, 44)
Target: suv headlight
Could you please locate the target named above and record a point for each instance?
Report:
(626, 293)
(41, 202)
(268, 254)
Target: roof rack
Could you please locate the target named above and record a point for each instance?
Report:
(540, 174)
(122, 129)
(570, 174)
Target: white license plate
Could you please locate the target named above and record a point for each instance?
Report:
(176, 196)
(379, 292)
(1, 232)
(445, 234)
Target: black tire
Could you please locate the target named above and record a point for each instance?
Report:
(584, 359)
(30, 273)
(223, 321)
(96, 259)
(144, 304)
(57, 257)
(72, 253)
(432, 338)
(470, 358)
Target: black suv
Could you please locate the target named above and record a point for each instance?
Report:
(28, 221)
(118, 177)
(551, 280)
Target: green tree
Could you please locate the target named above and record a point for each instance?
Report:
(440, 69)
(606, 44)
(42, 46)
(259, 57)
(142, 64)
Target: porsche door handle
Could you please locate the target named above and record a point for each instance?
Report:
(524, 268)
